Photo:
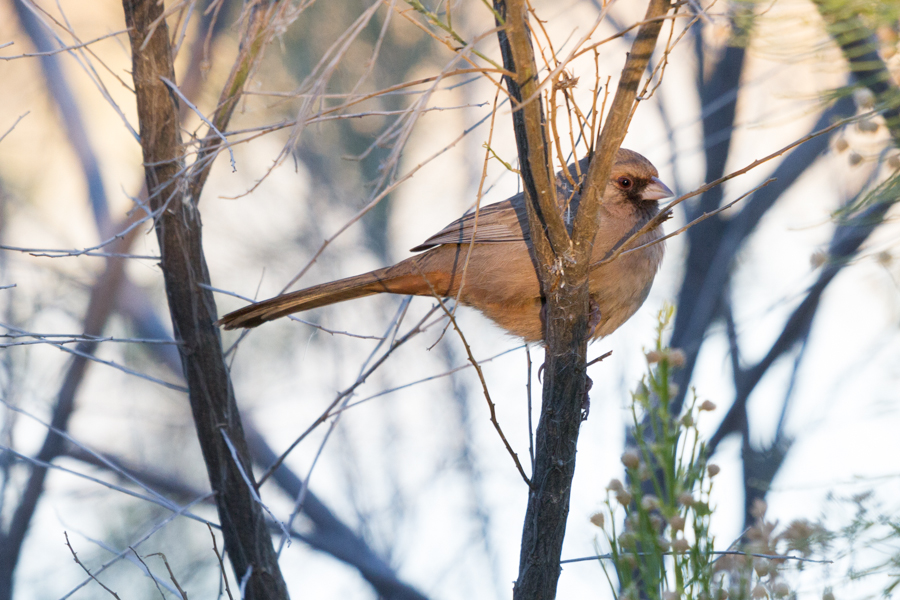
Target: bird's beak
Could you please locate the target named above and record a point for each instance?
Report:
(656, 190)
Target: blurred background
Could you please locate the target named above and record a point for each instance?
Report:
(787, 304)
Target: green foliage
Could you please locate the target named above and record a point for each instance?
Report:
(870, 541)
(665, 548)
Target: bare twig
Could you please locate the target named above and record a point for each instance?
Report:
(484, 388)
(86, 570)
(665, 212)
(120, 555)
(13, 126)
(468, 365)
(149, 573)
(328, 412)
(699, 219)
(171, 574)
(212, 534)
(61, 49)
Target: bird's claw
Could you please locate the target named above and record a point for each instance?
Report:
(586, 401)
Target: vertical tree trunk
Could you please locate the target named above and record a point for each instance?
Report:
(563, 267)
(247, 539)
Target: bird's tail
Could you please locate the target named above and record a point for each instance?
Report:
(393, 280)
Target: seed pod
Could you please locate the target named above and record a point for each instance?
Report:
(631, 459)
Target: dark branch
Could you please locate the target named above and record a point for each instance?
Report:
(192, 307)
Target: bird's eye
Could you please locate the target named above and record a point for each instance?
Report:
(625, 183)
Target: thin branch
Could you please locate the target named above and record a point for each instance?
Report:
(122, 554)
(171, 574)
(327, 413)
(484, 388)
(176, 510)
(13, 126)
(150, 574)
(82, 352)
(203, 118)
(221, 564)
(699, 219)
(614, 130)
(86, 570)
(468, 365)
(664, 213)
(61, 49)
(548, 229)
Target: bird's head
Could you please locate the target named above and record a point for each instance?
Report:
(635, 180)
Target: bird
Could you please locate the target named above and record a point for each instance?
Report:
(500, 279)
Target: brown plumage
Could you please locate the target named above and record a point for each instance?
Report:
(500, 280)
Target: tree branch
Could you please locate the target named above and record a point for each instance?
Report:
(192, 307)
(563, 274)
(614, 130)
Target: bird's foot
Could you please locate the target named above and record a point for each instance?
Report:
(586, 401)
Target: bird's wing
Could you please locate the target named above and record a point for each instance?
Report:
(496, 223)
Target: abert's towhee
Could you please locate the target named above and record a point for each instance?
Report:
(500, 279)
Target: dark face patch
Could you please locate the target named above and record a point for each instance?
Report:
(646, 208)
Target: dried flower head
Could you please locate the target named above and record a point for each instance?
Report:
(781, 589)
(631, 458)
(680, 545)
(676, 358)
(713, 470)
(677, 523)
(598, 519)
(614, 485)
(623, 498)
(650, 502)
(867, 126)
(864, 98)
(818, 258)
(708, 405)
(685, 499)
(653, 357)
(759, 591)
(758, 510)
